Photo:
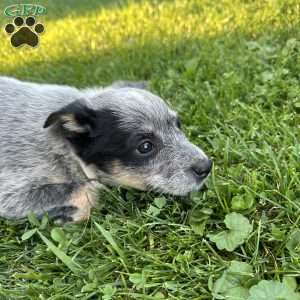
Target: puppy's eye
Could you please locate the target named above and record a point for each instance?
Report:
(145, 147)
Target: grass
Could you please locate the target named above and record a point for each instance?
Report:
(231, 69)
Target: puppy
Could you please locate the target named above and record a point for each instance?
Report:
(58, 143)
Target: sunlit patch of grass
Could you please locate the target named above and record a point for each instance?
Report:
(231, 70)
(136, 24)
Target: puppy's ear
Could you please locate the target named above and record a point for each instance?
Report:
(73, 118)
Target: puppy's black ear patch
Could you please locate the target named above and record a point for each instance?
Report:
(74, 118)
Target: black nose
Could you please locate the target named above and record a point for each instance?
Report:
(202, 168)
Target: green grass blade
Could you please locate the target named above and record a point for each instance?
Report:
(107, 235)
(67, 260)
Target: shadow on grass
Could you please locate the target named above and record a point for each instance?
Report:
(60, 9)
(151, 59)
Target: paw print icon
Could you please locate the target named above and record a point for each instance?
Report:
(24, 33)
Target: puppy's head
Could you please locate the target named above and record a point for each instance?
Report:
(132, 138)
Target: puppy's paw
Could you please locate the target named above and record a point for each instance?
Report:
(62, 214)
(83, 200)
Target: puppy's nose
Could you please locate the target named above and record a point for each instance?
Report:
(202, 168)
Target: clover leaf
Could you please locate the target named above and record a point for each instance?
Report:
(293, 244)
(239, 230)
(108, 291)
(138, 279)
(235, 281)
(232, 283)
(272, 290)
(242, 202)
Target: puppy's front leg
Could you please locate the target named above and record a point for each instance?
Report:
(83, 199)
(65, 202)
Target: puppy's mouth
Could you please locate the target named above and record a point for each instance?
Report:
(204, 187)
(180, 184)
(180, 191)
(201, 180)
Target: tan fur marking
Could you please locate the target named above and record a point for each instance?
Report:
(70, 123)
(84, 199)
(126, 177)
(89, 170)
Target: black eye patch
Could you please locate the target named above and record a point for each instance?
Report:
(110, 141)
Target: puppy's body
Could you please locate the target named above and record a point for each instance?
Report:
(54, 170)
(31, 157)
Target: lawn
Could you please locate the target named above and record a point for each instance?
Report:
(231, 70)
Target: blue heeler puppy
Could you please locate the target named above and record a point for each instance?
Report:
(57, 142)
